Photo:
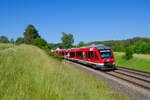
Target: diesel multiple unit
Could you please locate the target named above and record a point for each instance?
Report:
(97, 56)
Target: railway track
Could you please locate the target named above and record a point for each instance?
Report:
(136, 77)
(137, 72)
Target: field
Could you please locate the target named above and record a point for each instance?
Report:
(28, 73)
(139, 61)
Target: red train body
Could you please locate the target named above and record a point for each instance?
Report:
(98, 56)
(61, 52)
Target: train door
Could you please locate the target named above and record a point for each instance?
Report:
(92, 56)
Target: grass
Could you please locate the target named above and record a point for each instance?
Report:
(28, 73)
(6, 46)
(139, 62)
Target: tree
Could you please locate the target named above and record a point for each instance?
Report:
(81, 44)
(4, 39)
(51, 45)
(141, 47)
(67, 40)
(19, 40)
(30, 33)
(128, 53)
(12, 41)
(39, 42)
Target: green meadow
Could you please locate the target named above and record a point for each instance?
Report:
(139, 61)
(28, 73)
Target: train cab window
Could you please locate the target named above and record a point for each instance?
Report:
(105, 53)
(62, 53)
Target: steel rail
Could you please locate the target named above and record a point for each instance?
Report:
(133, 70)
(148, 81)
(129, 81)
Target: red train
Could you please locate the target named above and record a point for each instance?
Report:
(62, 52)
(97, 56)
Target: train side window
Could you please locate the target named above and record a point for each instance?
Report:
(89, 55)
(96, 57)
(86, 54)
(81, 55)
(92, 56)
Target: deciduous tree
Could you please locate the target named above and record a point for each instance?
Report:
(30, 34)
(19, 40)
(67, 40)
(4, 39)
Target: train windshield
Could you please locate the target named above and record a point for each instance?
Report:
(105, 53)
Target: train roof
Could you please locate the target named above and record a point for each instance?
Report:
(101, 46)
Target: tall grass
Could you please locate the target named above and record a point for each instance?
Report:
(28, 73)
(6, 46)
(136, 62)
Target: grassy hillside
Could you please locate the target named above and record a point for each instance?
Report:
(27, 73)
(139, 61)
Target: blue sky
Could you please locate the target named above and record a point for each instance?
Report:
(87, 20)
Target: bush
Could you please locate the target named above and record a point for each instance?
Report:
(128, 53)
(41, 43)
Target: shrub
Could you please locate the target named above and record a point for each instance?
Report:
(41, 43)
(128, 53)
(19, 40)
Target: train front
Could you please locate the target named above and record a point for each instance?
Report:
(107, 57)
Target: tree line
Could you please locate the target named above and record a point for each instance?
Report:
(31, 36)
(137, 45)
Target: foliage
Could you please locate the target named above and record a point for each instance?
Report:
(4, 39)
(138, 44)
(142, 47)
(39, 42)
(30, 33)
(67, 40)
(19, 40)
(128, 53)
(81, 43)
(28, 73)
(57, 45)
(12, 41)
